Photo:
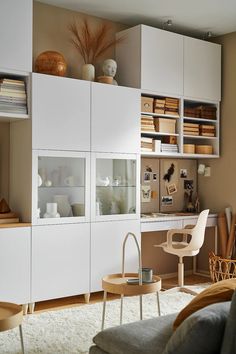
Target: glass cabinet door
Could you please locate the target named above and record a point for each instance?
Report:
(60, 183)
(115, 186)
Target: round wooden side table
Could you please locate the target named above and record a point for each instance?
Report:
(11, 316)
(117, 284)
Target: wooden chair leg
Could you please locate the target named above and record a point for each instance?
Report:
(21, 339)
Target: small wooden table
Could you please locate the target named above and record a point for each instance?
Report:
(11, 316)
(117, 284)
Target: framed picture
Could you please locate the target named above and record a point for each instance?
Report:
(171, 188)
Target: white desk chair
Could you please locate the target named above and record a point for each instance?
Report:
(184, 248)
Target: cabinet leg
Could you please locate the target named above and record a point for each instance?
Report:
(31, 307)
(86, 298)
(25, 308)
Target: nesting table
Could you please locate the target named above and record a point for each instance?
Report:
(117, 284)
(11, 316)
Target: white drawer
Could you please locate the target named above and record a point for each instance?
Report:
(161, 225)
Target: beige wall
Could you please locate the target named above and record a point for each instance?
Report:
(218, 191)
(50, 32)
(4, 160)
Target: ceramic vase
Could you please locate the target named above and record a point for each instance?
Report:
(63, 205)
(88, 72)
(51, 211)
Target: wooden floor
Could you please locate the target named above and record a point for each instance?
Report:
(97, 297)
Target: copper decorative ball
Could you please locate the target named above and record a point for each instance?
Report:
(52, 63)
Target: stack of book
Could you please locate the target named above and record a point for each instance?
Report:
(146, 144)
(191, 129)
(207, 130)
(13, 96)
(208, 112)
(193, 112)
(170, 148)
(9, 218)
(147, 124)
(159, 105)
(172, 106)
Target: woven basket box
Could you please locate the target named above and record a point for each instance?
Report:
(204, 149)
(147, 104)
(189, 148)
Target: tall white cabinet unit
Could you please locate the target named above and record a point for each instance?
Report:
(115, 161)
(16, 35)
(202, 69)
(151, 59)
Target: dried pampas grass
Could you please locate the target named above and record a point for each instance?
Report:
(91, 44)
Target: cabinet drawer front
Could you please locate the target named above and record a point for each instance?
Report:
(161, 225)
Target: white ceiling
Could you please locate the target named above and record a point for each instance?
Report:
(191, 17)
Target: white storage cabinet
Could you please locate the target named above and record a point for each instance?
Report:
(60, 261)
(115, 119)
(106, 249)
(16, 35)
(15, 264)
(60, 113)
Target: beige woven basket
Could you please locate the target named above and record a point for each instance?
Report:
(221, 268)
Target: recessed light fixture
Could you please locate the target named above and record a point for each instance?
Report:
(167, 24)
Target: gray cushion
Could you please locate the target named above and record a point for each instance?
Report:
(142, 337)
(200, 333)
(229, 340)
(95, 350)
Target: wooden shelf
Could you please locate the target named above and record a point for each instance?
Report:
(200, 137)
(158, 134)
(12, 117)
(201, 120)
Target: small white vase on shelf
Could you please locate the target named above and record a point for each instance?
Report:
(51, 211)
(88, 72)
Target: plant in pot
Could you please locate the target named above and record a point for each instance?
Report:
(91, 44)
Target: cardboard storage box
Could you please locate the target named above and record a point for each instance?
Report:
(147, 104)
(204, 149)
(164, 125)
(189, 148)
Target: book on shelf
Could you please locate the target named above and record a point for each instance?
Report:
(9, 220)
(12, 81)
(13, 94)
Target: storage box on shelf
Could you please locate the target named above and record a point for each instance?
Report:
(159, 128)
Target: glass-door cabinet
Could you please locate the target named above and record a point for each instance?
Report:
(115, 186)
(61, 185)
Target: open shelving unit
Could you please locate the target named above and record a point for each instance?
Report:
(196, 126)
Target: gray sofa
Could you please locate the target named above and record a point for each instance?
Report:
(211, 330)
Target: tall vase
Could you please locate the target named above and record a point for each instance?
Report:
(88, 72)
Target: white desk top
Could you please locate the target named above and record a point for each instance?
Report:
(161, 221)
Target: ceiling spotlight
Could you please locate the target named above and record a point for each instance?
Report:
(209, 34)
(168, 23)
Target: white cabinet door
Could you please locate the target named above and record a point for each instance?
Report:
(15, 264)
(115, 119)
(161, 61)
(106, 249)
(61, 113)
(16, 34)
(202, 69)
(60, 261)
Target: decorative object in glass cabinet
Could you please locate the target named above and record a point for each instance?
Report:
(115, 186)
(61, 185)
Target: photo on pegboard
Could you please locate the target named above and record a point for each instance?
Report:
(183, 173)
(146, 194)
(147, 177)
(171, 188)
(188, 184)
(154, 176)
(166, 200)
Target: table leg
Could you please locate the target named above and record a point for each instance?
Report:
(121, 308)
(104, 309)
(21, 339)
(141, 306)
(158, 304)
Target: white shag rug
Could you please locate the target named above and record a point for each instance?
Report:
(71, 330)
